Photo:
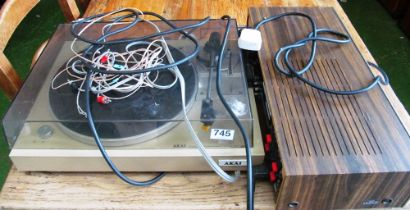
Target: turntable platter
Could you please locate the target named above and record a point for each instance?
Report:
(144, 115)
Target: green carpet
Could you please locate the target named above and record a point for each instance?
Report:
(388, 44)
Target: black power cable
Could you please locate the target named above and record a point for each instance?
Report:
(91, 69)
(314, 37)
(106, 157)
(250, 180)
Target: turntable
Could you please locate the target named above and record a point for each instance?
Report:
(143, 132)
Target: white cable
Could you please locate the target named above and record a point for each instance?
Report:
(141, 58)
(211, 162)
(198, 142)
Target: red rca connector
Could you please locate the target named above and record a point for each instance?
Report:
(272, 176)
(103, 100)
(275, 167)
(104, 59)
(268, 138)
(267, 147)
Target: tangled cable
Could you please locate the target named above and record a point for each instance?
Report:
(132, 59)
(314, 37)
(123, 85)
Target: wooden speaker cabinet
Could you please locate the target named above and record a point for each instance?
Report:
(336, 152)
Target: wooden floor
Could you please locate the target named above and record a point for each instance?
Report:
(197, 9)
(105, 190)
(177, 190)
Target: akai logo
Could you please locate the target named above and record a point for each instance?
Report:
(232, 162)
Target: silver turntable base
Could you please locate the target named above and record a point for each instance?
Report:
(165, 153)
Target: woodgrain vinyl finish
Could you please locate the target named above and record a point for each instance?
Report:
(337, 151)
(320, 133)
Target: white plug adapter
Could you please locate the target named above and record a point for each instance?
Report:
(250, 39)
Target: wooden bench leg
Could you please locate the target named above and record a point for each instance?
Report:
(10, 82)
(70, 9)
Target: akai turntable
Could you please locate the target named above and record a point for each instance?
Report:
(145, 131)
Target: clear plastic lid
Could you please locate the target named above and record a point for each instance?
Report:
(40, 110)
